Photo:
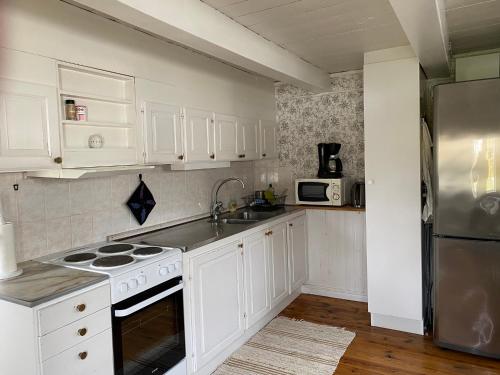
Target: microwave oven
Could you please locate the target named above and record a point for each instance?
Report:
(322, 191)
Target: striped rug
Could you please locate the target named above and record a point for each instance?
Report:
(289, 347)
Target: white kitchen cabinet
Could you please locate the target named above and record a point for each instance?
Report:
(256, 262)
(109, 99)
(69, 332)
(162, 122)
(226, 134)
(278, 259)
(217, 300)
(268, 139)
(199, 135)
(336, 254)
(163, 133)
(248, 139)
(29, 128)
(297, 250)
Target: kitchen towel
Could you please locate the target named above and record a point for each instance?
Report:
(141, 202)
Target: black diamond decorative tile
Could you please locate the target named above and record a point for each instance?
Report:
(141, 202)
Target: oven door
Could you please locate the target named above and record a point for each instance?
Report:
(148, 331)
(314, 192)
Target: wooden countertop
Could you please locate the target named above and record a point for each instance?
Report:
(331, 208)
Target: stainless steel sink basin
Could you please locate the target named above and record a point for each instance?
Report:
(239, 221)
(246, 217)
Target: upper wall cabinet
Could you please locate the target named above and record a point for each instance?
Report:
(268, 139)
(104, 133)
(29, 137)
(248, 146)
(226, 137)
(199, 135)
(161, 123)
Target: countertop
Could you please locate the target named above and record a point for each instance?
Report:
(198, 233)
(41, 282)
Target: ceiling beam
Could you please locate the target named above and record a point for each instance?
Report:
(196, 25)
(424, 23)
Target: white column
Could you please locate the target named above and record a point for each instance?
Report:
(392, 162)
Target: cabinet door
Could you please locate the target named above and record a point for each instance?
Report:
(256, 262)
(297, 248)
(226, 133)
(163, 133)
(278, 263)
(217, 290)
(248, 139)
(268, 139)
(29, 128)
(199, 133)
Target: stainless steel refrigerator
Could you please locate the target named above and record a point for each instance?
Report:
(467, 217)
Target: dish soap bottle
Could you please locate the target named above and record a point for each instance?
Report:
(269, 194)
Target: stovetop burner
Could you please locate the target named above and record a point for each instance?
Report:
(144, 252)
(115, 248)
(80, 257)
(112, 261)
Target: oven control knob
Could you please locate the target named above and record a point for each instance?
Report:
(132, 284)
(171, 268)
(123, 287)
(141, 279)
(177, 265)
(163, 271)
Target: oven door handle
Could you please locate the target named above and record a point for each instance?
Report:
(149, 301)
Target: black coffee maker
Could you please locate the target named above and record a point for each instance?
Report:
(330, 165)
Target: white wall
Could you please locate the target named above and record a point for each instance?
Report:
(392, 164)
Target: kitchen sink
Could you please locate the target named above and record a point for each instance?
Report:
(246, 217)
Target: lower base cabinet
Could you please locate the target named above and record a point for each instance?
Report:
(337, 254)
(239, 286)
(217, 286)
(256, 260)
(278, 263)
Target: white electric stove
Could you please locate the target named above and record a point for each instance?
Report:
(132, 268)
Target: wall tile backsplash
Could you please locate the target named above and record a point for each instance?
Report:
(306, 119)
(55, 215)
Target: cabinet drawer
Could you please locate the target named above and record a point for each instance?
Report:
(74, 308)
(74, 333)
(91, 357)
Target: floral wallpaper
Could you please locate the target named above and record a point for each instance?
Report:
(306, 119)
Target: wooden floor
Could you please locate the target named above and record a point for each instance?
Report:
(382, 351)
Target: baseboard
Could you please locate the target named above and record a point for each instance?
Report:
(324, 291)
(397, 323)
(211, 366)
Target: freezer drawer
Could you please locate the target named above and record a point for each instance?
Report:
(466, 296)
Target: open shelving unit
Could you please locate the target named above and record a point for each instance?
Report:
(109, 98)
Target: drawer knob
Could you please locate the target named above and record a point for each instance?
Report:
(180, 157)
(212, 156)
(290, 225)
(81, 307)
(82, 355)
(82, 331)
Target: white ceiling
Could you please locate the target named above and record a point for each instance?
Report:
(330, 34)
(473, 24)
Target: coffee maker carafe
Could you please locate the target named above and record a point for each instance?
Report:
(330, 165)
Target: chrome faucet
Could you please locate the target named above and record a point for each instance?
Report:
(216, 205)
